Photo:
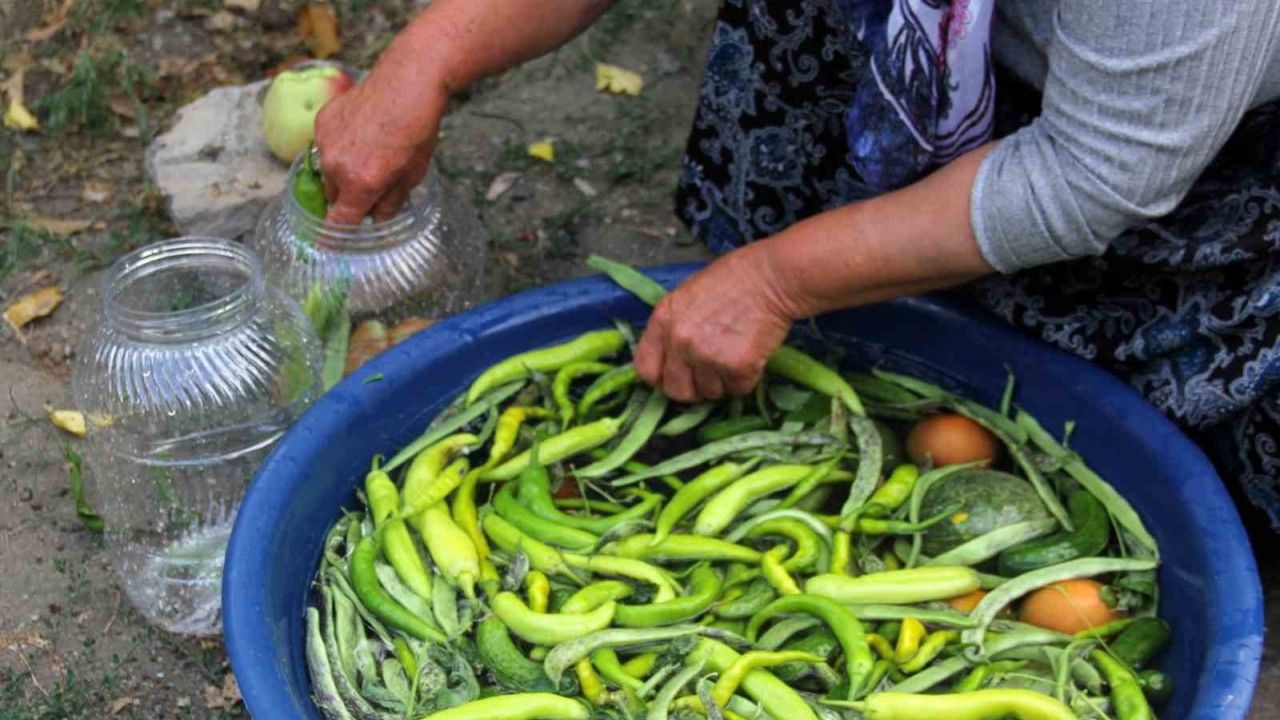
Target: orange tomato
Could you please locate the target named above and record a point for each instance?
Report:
(1068, 607)
(950, 439)
(967, 602)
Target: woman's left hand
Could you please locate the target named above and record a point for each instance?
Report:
(714, 333)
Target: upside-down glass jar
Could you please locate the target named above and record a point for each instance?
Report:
(196, 367)
(426, 261)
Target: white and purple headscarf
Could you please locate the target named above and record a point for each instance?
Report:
(931, 92)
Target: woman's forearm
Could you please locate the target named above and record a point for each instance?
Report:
(457, 42)
(913, 240)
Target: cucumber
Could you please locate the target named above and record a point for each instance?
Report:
(987, 500)
(1141, 642)
(505, 661)
(1091, 535)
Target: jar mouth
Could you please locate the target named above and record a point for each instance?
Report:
(182, 289)
(364, 236)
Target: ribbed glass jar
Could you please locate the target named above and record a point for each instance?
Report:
(422, 262)
(196, 367)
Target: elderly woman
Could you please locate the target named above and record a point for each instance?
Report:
(851, 151)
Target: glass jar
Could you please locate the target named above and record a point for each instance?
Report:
(426, 261)
(195, 369)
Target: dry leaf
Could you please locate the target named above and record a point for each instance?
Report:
(408, 327)
(545, 150)
(585, 187)
(32, 306)
(501, 185)
(17, 116)
(71, 421)
(318, 27)
(123, 106)
(97, 192)
(53, 22)
(368, 339)
(614, 79)
(221, 21)
(225, 697)
(120, 704)
(60, 226)
(244, 5)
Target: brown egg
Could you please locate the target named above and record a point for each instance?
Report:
(1068, 607)
(967, 602)
(949, 439)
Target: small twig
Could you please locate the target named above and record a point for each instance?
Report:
(497, 116)
(114, 613)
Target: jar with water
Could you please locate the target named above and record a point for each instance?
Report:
(195, 368)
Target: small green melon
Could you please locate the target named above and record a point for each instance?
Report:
(987, 500)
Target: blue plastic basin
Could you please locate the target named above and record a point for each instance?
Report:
(1209, 582)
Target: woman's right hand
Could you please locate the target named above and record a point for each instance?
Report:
(375, 140)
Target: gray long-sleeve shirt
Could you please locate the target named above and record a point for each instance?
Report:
(1139, 96)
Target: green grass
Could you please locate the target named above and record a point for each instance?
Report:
(70, 699)
(82, 102)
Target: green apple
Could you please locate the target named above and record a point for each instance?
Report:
(292, 102)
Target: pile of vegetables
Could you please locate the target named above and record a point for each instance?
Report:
(565, 543)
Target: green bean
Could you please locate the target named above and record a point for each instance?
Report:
(688, 419)
(842, 623)
(324, 688)
(344, 674)
(716, 450)
(564, 379)
(781, 632)
(729, 427)
(444, 607)
(588, 346)
(628, 278)
(437, 432)
(869, 463)
(985, 547)
(883, 611)
(758, 595)
(997, 599)
(616, 380)
(571, 442)
(400, 592)
(658, 709)
(520, 706)
(567, 654)
(639, 433)
(1119, 508)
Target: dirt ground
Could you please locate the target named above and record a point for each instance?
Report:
(104, 76)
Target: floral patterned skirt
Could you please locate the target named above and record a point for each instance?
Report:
(1187, 307)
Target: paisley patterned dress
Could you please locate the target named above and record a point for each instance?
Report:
(1186, 307)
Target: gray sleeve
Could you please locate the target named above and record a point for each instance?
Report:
(1139, 98)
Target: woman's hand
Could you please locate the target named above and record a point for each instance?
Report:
(714, 333)
(376, 140)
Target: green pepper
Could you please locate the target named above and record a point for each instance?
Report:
(308, 187)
